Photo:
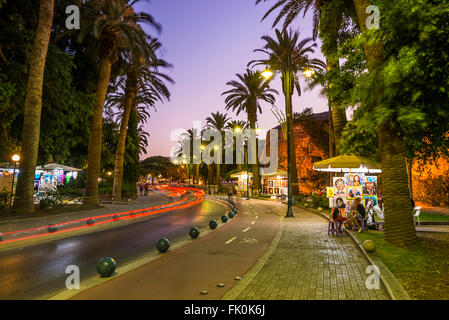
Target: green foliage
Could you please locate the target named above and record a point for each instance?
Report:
(320, 200)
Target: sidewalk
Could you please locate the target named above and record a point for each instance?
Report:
(307, 264)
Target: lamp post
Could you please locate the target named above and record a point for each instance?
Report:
(287, 84)
(15, 159)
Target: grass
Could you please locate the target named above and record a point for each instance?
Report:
(432, 216)
(422, 269)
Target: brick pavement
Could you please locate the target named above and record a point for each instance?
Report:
(308, 264)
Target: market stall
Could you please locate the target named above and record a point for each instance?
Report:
(357, 179)
(49, 176)
(244, 179)
(275, 183)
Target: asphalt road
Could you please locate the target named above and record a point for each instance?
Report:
(219, 257)
(38, 270)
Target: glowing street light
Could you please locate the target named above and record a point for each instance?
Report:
(16, 158)
(308, 73)
(267, 74)
(237, 129)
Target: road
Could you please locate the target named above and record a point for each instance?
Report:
(38, 270)
(219, 257)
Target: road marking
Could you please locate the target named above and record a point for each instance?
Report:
(230, 240)
(244, 230)
(256, 217)
(253, 222)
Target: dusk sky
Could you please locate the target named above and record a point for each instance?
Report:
(208, 42)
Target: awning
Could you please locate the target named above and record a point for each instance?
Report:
(280, 173)
(241, 173)
(56, 166)
(348, 163)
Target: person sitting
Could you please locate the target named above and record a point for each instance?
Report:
(337, 214)
(379, 208)
(357, 212)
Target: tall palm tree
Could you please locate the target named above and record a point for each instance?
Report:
(144, 85)
(115, 24)
(399, 226)
(218, 121)
(291, 9)
(24, 201)
(288, 55)
(245, 96)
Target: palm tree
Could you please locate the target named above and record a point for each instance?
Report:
(218, 121)
(288, 55)
(399, 226)
(145, 86)
(115, 24)
(245, 96)
(291, 9)
(24, 201)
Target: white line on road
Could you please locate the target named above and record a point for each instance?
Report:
(230, 240)
(256, 217)
(244, 230)
(253, 222)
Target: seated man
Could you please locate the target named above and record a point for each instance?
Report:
(357, 212)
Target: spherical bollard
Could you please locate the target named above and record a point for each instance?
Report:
(224, 219)
(369, 245)
(194, 232)
(231, 215)
(90, 221)
(163, 244)
(213, 224)
(320, 209)
(106, 267)
(52, 228)
(235, 210)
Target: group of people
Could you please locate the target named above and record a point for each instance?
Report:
(143, 187)
(357, 214)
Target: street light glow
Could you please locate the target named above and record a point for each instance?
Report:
(16, 158)
(267, 74)
(308, 73)
(237, 129)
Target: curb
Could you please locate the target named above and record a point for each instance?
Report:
(391, 284)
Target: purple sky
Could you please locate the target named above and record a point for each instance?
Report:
(208, 42)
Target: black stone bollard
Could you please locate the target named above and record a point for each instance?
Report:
(194, 232)
(163, 245)
(106, 267)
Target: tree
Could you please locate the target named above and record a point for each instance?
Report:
(218, 121)
(24, 201)
(288, 55)
(115, 24)
(290, 10)
(144, 85)
(245, 96)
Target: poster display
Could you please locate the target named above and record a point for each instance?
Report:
(330, 192)
(340, 203)
(370, 187)
(339, 186)
(354, 192)
(354, 179)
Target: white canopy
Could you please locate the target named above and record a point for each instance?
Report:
(56, 166)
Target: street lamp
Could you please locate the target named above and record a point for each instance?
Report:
(15, 158)
(287, 90)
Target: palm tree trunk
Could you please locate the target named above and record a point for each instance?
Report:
(24, 201)
(399, 226)
(130, 94)
(292, 152)
(95, 134)
(252, 118)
